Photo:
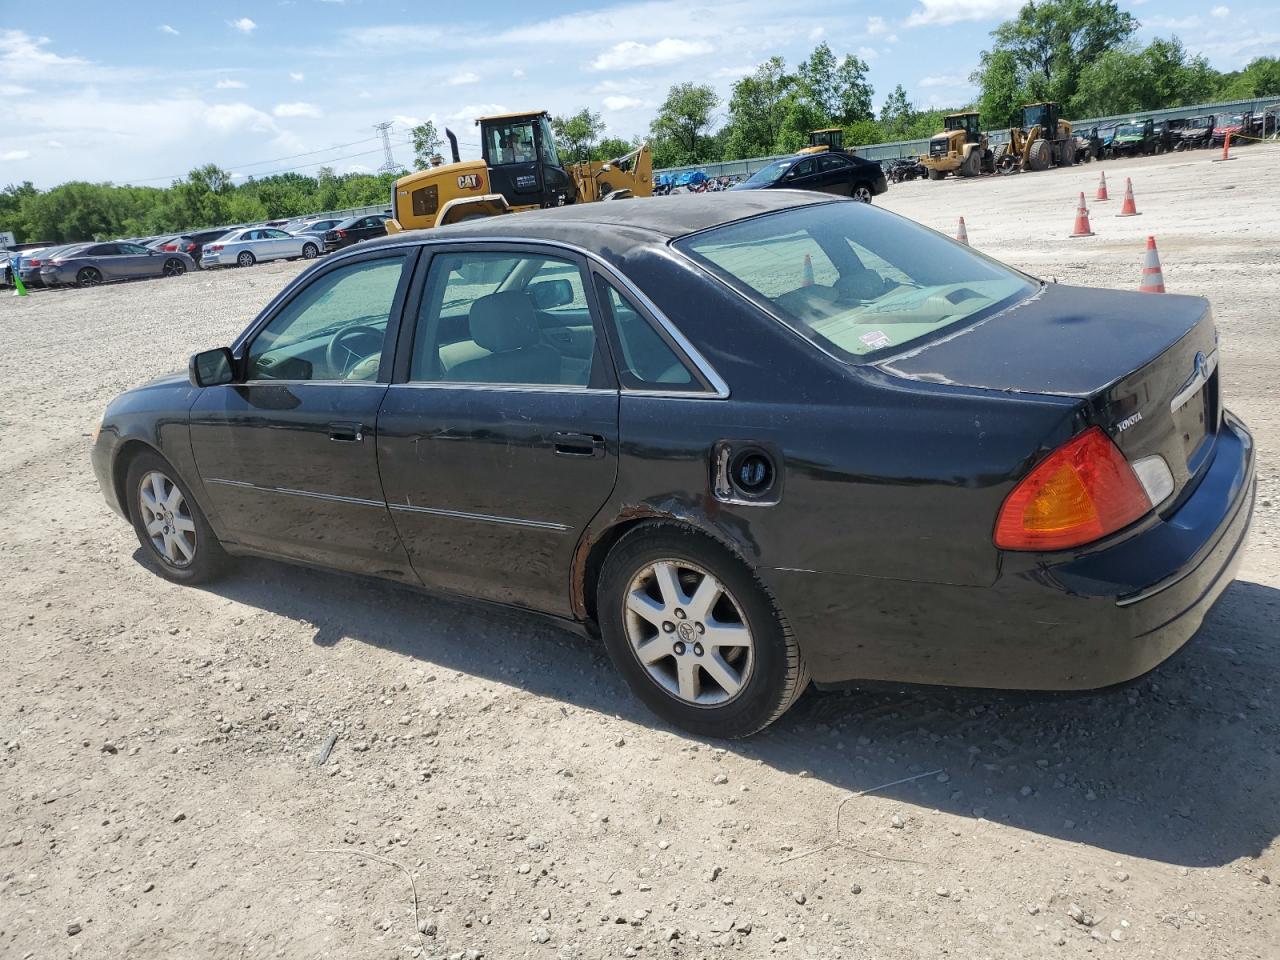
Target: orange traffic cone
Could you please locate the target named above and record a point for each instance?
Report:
(962, 234)
(1226, 149)
(1129, 209)
(1082, 228)
(1152, 275)
(806, 275)
(1102, 187)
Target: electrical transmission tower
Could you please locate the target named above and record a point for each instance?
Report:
(389, 165)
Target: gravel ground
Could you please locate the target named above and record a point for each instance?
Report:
(160, 795)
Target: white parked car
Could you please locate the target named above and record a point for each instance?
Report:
(247, 246)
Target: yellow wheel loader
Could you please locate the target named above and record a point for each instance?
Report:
(821, 141)
(1044, 140)
(961, 148)
(520, 170)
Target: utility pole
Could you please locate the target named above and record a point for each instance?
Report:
(389, 164)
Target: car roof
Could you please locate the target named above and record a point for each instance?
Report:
(652, 220)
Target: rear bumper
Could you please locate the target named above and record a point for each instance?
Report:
(1101, 619)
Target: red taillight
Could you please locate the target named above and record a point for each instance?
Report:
(170, 247)
(341, 233)
(1082, 491)
(216, 246)
(34, 263)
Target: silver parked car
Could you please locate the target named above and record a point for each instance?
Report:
(246, 247)
(314, 228)
(89, 264)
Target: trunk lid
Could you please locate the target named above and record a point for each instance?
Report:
(1144, 365)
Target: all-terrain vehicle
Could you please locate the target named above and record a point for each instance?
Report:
(1195, 133)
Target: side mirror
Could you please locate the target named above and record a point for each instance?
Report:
(211, 368)
(551, 293)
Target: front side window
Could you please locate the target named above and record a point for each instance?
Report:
(853, 280)
(333, 329)
(510, 143)
(504, 318)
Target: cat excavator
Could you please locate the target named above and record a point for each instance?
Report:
(520, 170)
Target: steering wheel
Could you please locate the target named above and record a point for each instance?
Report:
(342, 354)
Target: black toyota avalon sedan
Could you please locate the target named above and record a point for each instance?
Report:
(747, 439)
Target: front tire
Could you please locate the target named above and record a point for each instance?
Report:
(174, 268)
(309, 251)
(170, 525)
(88, 277)
(246, 259)
(695, 635)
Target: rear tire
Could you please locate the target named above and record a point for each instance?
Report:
(971, 166)
(861, 192)
(246, 259)
(649, 594)
(1069, 153)
(935, 174)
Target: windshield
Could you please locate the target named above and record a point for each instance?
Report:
(1130, 130)
(510, 143)
(855, 280)
(1235, 120)
(772, 172)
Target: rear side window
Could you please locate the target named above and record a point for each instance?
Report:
(645, 360)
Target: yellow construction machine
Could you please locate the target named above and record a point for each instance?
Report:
(520, 170)
(1044, 140)
(822, 141)
(961, 148)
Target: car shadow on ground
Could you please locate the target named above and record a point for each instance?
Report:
(1179, 766)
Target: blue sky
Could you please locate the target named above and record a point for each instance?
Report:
(134, 92)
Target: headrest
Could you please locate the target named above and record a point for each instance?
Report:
(503, 321)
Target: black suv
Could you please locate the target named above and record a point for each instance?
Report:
(354, 229)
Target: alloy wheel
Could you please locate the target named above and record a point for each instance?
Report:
(862, 194)
(309, 252)
(688, 632)
(88, 277)
(245, 259)
(167, 518)
(174, 268)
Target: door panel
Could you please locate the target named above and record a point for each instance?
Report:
(289, 457)
(488, 489)
(503, 445)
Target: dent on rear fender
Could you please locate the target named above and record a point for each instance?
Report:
(673, 509)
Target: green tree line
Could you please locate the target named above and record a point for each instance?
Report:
(206, 197)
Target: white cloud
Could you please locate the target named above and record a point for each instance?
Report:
(15, 155)
(297, 109)
(517, 74)
(817, 34)
(473, 110)
(868, 53)
(464, 78)
(891, 38)
(629, 54)
(230, 85)
(244, 25)
(1172, 23)
(24, 57)
(165, 28)
(297, 77)
(55, 144)
(405, 121)
(876, 26)
(358, 168)
(943, 12)
(238, 117)
(942, 80)
(622, 103)
(13, 90)
(1221, 12)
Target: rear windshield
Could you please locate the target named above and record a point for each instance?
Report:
(855, 280)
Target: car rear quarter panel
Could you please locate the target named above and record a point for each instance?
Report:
(882, 477)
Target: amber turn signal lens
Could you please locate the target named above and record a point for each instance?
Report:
(1081, 492)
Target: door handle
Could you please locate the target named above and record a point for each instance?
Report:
(345, 432)
(578, 444)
